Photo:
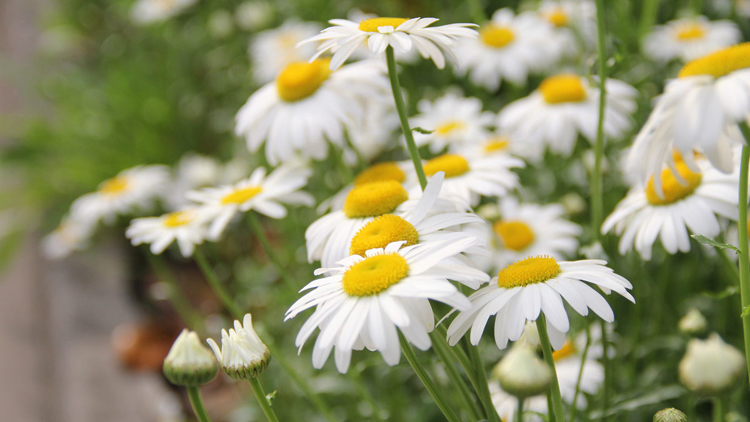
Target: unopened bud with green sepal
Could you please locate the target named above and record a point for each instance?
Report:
(190, 363)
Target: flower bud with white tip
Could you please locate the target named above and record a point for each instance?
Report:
(670, 415)
(711, 367)
(189, 363)
(522, 373)
(242, 354)
(693, 323)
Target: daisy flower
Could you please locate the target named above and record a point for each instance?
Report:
(521, 291)
(497, 144)
(379, 172)
(700, 110)
(151, 11)
(466, 180)
(197, 171)
(362, 301)
(70, 236)
(689, 200)
(242, 354)
(509, 47)
(565, 106)
(187, 226)
(309, 106)
(134, 189)
(362, 52)
(690, 38)
(260, 192)
(372, 134)
(274, 49)
(453, 119)
(573, 23)
(402, 34)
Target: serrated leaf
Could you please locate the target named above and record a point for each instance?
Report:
(420, 130)
(706, 241)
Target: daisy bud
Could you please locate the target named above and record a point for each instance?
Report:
(189, 363)
(693, 323)
(670, 415)
(242, 354)
(711, 367)
(522, 373)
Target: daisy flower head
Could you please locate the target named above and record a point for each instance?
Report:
(566, 105)
(308, 107)
(187, 226)
(509, 47)
(573, 22)
(466, 180)
(132, 190)
(521, 291)
(363, 300)
(378, 172)
(196, 171)
(274, 49)
(686, 200)
(453, 120)
(500, 143)
(70, 235)
(151, 11)
(261, 192)
(698, 111)
(402, 34)
(690, 38)
(362, 52)
(373, 134)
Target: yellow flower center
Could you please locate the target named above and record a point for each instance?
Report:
(241, 195)
(563, 89)
(373, 199)
(720, 63)
(450, 126)
(496, 36)
(380, 172)
(496, 144)
(567, 350)
(375, 274)
(300, 80)
(372, 25)
(178, 218)
(114, 186)
(690, 32)
(558, 17)
(381, 231)
(516, 235)
(673, 188)
(453, 165)
(531, 270)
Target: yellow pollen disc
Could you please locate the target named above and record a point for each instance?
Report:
(496, 36)
(241, 195)
(567, 350)
(177, 219)
(114, 186)
(563, 89)
(381, 231)
(375, 274)
(496, 144)
(372, 25)
(449, 127)
(720, 63)
(300, 80)
(558, 18)
(453, 165)
(673, 188)
(690, 32)
(373, 199)
(380, 172)
(516, 235)
(527, 271)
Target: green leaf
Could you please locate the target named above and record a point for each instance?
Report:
(715, 244)
(420, 130)
(745, 311)
(729, 291)
(659, 395)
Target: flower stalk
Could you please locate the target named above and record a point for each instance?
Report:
(556, 410)
(260, 395)
(196, 401)
(744, 258)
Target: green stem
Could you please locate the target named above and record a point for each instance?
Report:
(719, 410)
(257, 229)
(176, 297)
(743, 246)
(519, 411)
(482, 386)
(197, 402)
(574, 406)
(217, 286)
(398, 97)
(597, 193)
(441, 402)
(260, 395)
(442, 349)
(648, 16)
(607, 370)
(554, 390)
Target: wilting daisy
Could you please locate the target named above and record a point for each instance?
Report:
(308, 107)
(150, 11)
(434, 43)
(467, 180)
(690, 38)
(134, 189)
(70, 236)
(521, 291)
(260, 192)
(692, 201)
(573, 22)
(274, 49)
(509, 47)
(188, 227)
(363, 300)
(565, 106)
(700, 110)
(453, 119)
